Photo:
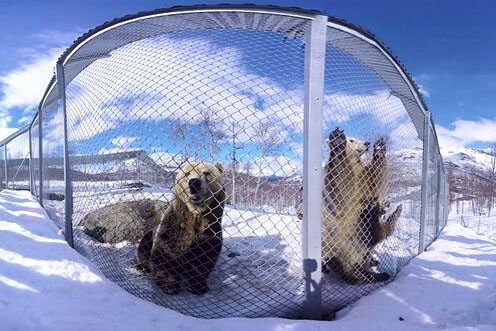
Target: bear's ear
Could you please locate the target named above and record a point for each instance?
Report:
(220, 167)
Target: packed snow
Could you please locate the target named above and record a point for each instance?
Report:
(46, 285)
(483, 223)
(260, 262)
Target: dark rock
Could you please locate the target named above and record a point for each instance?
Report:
(123, 221)
(55, 196)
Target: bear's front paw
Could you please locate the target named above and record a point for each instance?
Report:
(168, 285)
(398, 211)
(140, 267)
(380, 145)
(384, 207)
(337, 140)
(198, 288)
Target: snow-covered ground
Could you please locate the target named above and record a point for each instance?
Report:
(260, 262)
(46, 285)
(485, 224)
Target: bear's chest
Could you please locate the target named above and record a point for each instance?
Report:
(179, 235)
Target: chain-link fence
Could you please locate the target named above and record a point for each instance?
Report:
(235, 160)
(14, 161)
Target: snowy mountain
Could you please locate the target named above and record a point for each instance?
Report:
(466, 158)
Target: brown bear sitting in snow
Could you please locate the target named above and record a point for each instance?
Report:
(186, 244)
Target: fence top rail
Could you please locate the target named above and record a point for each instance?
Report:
(14, 135)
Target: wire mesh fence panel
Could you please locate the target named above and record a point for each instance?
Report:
(185, 148)
(432, 192)
(442, 197)
(372, 171)
(53, 160)
(35, 159)
(18, 162)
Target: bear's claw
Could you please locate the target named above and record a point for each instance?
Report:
(337, 139)
(380, 144)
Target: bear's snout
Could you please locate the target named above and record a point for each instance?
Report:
(195, 186)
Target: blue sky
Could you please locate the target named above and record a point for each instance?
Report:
(448, 46)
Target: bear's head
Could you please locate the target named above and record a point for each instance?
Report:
(356, 148)
(351, 147)
(198, 185)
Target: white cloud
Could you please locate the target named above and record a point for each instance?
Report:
(421, 81)
(18, 147)
(465, 132)
(423, 90)
(405, 136)
(184, 77)
(24, 86)
(169, 78)
(122, 141)
(162, 78)
(56, 37)
(4, 130)
(384, 107)
(276, 166)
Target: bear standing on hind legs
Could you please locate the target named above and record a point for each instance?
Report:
(186, 244)
(353, 224)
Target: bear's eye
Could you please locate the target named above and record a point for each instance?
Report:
(186, 174)
(206, 173)
(352, 140)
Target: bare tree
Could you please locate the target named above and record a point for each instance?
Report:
(180, 134)
(267, 140)
(211, 131)
(247, 167)
(234, 162)
(202, 137)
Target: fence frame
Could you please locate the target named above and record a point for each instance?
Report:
(312, 165)
(314, 66)
(438, 195)
(68, 204)
(40, 152)
(5, 165)
(30, 161)
(425, 182)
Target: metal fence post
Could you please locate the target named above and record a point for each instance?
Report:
(315, 46)
(5, 164)
(30, 163)
(67, 169)
(40, 158)
(438, 194)
(425, 181)
(446, 201)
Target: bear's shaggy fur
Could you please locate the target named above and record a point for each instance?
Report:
(353, 208)
(186, 244)
(353, 223)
